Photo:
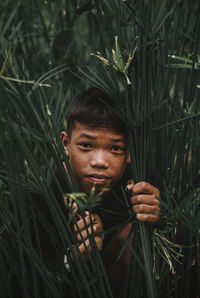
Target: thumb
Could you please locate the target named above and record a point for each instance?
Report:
(130, 184)
(74, 207)
(74, 211)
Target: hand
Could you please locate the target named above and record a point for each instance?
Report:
(144, 202)
(82, 233)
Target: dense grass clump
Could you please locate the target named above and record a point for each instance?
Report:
(146, 56)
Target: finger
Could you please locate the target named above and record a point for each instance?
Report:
(73, 213)
(81, 249)
(99, 242)
(74, 206)
(92, 230)
(97, 221)
(148, 218)
(144, 209)
(81, 224)
(130, 184)
(85, 247)
(145, 188)
(83, 235)
(145, 199)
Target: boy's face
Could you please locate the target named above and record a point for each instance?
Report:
(96, 155)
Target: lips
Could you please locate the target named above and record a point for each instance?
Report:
(98, 178)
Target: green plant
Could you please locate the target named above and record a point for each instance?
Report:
(159, 102)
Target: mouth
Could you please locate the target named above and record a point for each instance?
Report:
(98, 179)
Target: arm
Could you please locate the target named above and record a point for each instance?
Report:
(146, 206)
(144, 201)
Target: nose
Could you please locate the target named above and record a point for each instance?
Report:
(99, 160)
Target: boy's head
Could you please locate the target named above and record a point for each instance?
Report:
(95, 141)
(96, 109)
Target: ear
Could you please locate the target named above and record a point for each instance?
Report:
(65, 141)
(128, 160)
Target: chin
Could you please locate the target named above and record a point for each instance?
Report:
(100, 188)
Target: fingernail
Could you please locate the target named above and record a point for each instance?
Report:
(74, 206)
(129, 186)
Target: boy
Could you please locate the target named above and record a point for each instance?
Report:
(96, 146)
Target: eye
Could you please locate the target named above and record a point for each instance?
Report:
(85, 145)
(117, 149)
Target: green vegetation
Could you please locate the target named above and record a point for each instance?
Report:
(145, 54)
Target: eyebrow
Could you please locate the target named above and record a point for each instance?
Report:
(118, 140)
(83, 135)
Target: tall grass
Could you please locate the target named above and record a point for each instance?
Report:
(158, 94)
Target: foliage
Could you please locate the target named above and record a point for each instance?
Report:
(45, 60)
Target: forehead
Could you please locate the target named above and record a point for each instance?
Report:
(94, 132)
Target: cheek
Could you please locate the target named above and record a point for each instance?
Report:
(77, 161)
(119, 168)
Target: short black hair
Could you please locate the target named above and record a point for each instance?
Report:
(95, 108)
